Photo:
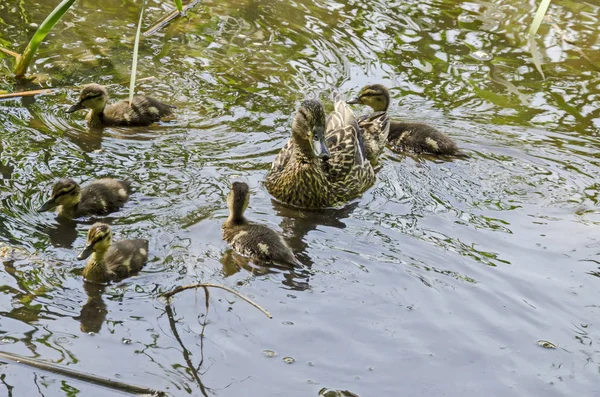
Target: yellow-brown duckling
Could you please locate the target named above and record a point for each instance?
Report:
(97, 198)
(142, 111)
(111, 261)
(251, 239)
(414, 137)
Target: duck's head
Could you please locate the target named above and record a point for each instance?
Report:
(93, 96)
(65, 192)
(99, 238)
(375, 96)
(237, 200)
(308, 129)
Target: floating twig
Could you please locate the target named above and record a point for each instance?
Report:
(185, 351)
(165, 21)
(50, 90)
(9, 52)
(82, 376)
(210, 285)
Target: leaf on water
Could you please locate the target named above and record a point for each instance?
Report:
(546, 344)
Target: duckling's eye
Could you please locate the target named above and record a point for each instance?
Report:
(63, 192)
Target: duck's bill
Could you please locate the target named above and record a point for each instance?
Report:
(353, 101)
(47, 206)
(75, 107)
(87, 251)
(320, 149)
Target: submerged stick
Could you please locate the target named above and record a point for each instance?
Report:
(166, 20)
(49, 90)
(82, 376)
(210, 285)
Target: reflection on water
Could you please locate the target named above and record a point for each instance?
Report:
(444, 269)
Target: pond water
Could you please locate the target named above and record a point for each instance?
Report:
(438, 281)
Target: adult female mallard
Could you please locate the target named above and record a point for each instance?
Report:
(251, 239)
(316, 169)
(415, 137)
(99, 197)
(142, 111)
(111, 261)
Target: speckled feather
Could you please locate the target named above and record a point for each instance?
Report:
(421, 138)
(143, 111)
(313, 183)
(102, 197)
(258, 242)
(122, 259)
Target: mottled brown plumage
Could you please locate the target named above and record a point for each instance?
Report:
(301, 178)
(97, 198)
(375, 127)
(412, 137)
(251, 239)
(111, 261)
(142, 111)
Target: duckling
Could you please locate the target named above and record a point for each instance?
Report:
(415, 137)
(251, 239)
(111, 261)
(99, 197)
(318, 169)
(142, 111)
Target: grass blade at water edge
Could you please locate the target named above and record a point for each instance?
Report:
(136, 47)
(539, 15)
(179, 5)
(39, 35)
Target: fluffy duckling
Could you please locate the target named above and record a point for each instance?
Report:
(108, 260)
(99, 197)
(143, 110)
(415, 137)
(250, 239)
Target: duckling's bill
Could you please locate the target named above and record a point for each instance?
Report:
(76, 107)
(354, 101)
(48, 206)
(86, 252)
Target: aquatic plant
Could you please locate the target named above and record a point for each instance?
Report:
(24, 60)
(535, 25)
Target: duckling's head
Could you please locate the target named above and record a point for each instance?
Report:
(237, 201)
(375, 96)
(65, 192)
(308, 129)
(93, 96)
(99, 238)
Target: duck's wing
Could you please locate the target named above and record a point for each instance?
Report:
(344, 140)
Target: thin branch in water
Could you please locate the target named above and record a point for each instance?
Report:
(166, 20)
(185, 351)
(27, 93)
(210, 285)
(82, 376)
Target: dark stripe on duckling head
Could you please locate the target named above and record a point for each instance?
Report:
(64, 186)
(98, 232)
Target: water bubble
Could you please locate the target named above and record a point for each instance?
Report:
(481, 55)
(287, 323)
(289, 360)
(126, 341)
(465, 18)
(269, 353)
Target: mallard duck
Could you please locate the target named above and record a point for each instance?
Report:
(111, 261)
(251, 239)
(315, 169)
(99, 197)
(143, 110)
(415, 137)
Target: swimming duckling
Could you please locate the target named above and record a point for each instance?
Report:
(99, 197)
(111, 261)
(143, 110)
(250, 239)
(415, 137)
